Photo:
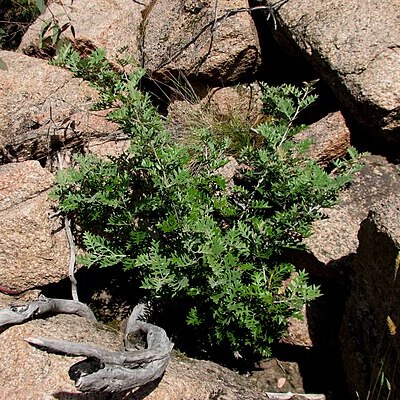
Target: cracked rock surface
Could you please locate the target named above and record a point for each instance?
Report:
(200, 39)
(34, 248)
(197, 38)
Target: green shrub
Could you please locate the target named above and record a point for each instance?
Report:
(15, 17)
(164, 211)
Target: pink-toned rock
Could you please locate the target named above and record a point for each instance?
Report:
(33, 247)
(334, 241)
(43, 108)
(103, 147)
(329, 137)
(298, 332)
(200, 39)
(110, 25)
(242, 101)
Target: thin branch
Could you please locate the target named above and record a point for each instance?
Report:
(72, 249)
(72, 259)
(307, 91)
(10, 292)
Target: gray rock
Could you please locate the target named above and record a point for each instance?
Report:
(200, 39)
(33, 247)
(370, 342)
(355, 46)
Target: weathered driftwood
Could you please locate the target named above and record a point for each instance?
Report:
(119, 370)
(295, 396)
(112, 371)
(17, 314)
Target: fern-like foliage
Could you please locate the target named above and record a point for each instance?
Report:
(164, 211)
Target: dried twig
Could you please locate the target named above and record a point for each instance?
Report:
(72, 249)
(72, 259)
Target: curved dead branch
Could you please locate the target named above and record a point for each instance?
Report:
(17, 314)
(119, 370)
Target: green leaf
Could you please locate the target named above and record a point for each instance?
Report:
(3, 65)
(55, 34)
(40, 4)
(46, 26)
